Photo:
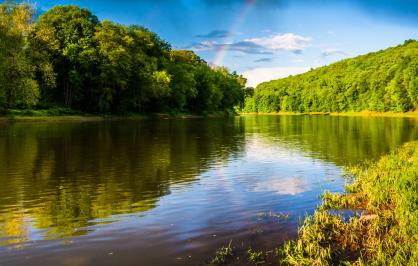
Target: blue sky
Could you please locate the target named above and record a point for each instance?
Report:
(266, 39)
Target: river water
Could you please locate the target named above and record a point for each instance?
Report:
(170, 192)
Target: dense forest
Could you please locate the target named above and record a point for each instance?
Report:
(383, 81)
(66, 58)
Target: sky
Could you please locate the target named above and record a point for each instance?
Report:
(266, 39)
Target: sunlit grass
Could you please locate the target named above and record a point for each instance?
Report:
(386, 233)
(411, 114)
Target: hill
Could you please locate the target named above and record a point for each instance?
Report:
(382, 81)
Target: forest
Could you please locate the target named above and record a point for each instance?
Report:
(382, 81)
(66, 59)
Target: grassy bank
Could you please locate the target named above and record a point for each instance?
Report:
(64, 114)
(413, 114)
(385, 230)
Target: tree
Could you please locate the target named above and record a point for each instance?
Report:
(67, 32)
(18, 85)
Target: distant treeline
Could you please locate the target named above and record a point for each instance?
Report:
(383, 81)
(68, 58)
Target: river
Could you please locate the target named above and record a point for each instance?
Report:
(170, 192)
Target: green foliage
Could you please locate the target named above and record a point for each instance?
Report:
(386, 233)
(18, 84)
(66, 32)
(71, 59)
(52, 111)
(381, 81)
(223, 254)
(255, 257)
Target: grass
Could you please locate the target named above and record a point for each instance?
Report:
(53, 111)
(255, 257)
(413, 114)
(55, 114)
(386, 230)
(227, 254)
(223, 255)
(270, 214)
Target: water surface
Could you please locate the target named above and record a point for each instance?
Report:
(167, 192)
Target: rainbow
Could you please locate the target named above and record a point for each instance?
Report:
(221, 51)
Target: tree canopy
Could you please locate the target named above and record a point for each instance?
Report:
(68, 58)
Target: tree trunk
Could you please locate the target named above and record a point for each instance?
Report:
(67, 95)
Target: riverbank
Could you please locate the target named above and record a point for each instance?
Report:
(384, 229)
(84, 117)
(39, 117)
(65, 118)
(413, 114)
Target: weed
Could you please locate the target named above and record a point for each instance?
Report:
(256, 257)
(223, 254)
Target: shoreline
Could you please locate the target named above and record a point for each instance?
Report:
(413, 114)
(93, 118)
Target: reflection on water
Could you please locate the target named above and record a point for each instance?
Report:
(340, 140)
(167, 185)
(283, 186)
(60, 177)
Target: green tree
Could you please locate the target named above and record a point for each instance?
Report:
(69, 58)
(18, 86)
(67, 32)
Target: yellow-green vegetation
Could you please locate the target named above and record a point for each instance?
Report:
(412, 114)
(58, 114)
(383, 81)
(223, 254)
(256, 257)
(385, 193)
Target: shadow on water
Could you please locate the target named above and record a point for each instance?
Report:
(171, 189)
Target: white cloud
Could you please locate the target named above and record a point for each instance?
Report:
(258, 75)
(283, 186)
(267, 45)
(203, 46)
(288, 42)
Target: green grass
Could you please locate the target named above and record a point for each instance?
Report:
(255, 257)
(53, 111)
(386, 231)
(55, 114)
(410, 114)
(223, 255)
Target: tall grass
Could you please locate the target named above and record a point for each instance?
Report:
(386, 230)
